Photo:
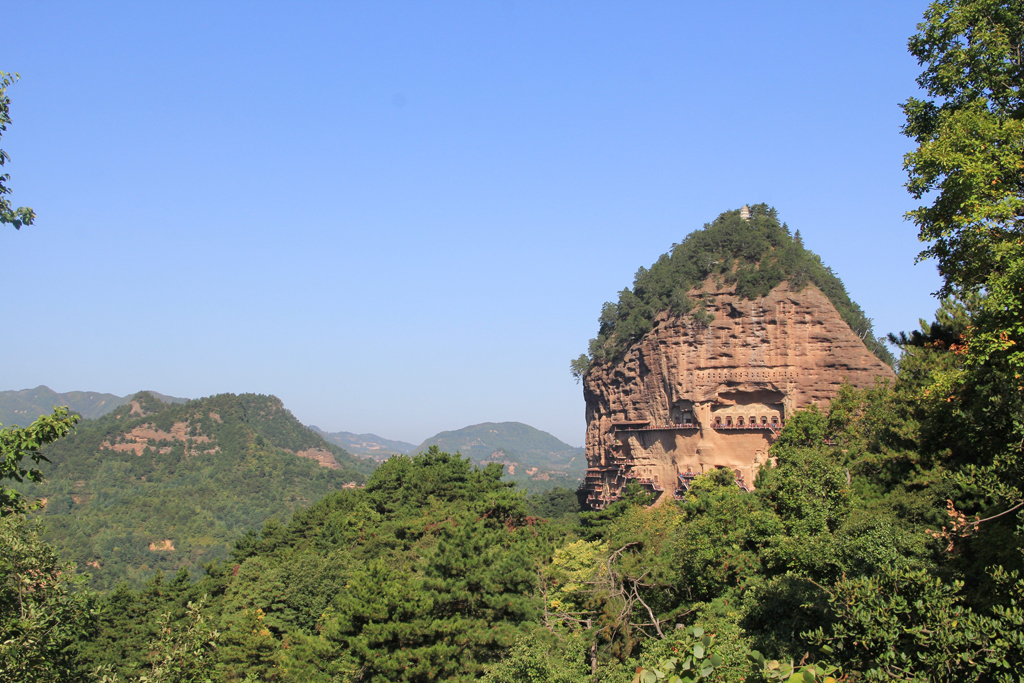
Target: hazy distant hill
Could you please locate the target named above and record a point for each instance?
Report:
(371, 445)
(156, 486)
(23, 407)
(535, 459)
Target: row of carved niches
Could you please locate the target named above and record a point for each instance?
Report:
(738, 407)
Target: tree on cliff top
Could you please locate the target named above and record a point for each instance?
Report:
(755, 255)
(21, 215)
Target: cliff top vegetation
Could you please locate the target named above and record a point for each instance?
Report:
(755, 255)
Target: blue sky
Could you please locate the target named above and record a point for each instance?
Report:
(404, 217)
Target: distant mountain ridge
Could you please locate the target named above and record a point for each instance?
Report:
(370, 445)
(533, 458)
(21, 408)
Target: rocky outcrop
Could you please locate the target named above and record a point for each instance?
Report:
(690, 397)
(148, 436)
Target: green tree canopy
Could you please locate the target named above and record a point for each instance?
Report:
(970, 138)
(18, 443)
(969, 166)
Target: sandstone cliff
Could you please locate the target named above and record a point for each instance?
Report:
(690, 397)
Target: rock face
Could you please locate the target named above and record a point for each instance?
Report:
(688, 398)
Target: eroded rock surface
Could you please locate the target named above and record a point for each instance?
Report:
(688, 397)
(143, 436)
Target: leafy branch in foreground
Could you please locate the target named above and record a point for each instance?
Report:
(698, 661)
(45, 609)
(774, 670)
(17, 443)
(21, 215)
(967, 166)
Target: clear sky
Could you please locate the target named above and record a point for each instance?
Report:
(403, 217)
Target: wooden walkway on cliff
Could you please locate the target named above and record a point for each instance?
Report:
(638, 426)
(645, 426)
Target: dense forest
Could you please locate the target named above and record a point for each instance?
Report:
(154, 486)
(883, 544)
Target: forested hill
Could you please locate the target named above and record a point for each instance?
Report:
(533, 458)
(755, 255)
(22, 407)
(156, 486)
(427, 574)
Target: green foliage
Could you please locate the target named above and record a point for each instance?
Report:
(17, 443)
(579, 366)
(181, 653)
(718, 545)
(451, 587)
(440, 618)
(968, 164)
(808, 491)
(574, 571)
(970, 138)
(594, 524)
(910, 626)
(22, 215)
(541, 658)
(774, 670)
(717, 617)
(756, 256)
(774, 613)
(556, 504)
(229, 468)
(696, 662)
(435, 571)
(702, 317)
(44, 611)
(426, 574)
(139, 632)
(804, 429)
